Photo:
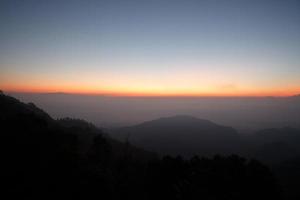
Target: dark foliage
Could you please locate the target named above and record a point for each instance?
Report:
(288, 174)
(42, 158)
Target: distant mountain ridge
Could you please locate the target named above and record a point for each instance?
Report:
(181, 134)
(183, 120)
(187, 135)
(296, 96)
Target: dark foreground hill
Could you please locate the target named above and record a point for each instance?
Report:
(184, 135)
(43, 158)
(277, 144)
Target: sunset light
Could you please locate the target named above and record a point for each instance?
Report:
(151, 49)
(150, 99)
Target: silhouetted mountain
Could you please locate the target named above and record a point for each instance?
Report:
(11, 107)
(181, 135)
(33, 149)
(40, 155)
(296, 96)
(42, 158)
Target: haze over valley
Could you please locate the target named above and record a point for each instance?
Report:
(246, 114)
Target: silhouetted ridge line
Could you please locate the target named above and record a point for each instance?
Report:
(181, 135)
(72, 159)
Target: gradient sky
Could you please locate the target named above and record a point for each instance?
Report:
(153, 47)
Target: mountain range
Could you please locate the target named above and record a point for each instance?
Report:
(46, 157)
(185, 135)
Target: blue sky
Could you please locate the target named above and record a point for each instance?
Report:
(157, 47)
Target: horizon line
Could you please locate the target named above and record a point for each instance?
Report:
(150, 95)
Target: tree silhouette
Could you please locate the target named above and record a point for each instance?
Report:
(41, 158)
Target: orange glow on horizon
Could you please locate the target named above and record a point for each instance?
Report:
(151, 92)
(181, 83)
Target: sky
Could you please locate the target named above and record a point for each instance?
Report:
(151, 48)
